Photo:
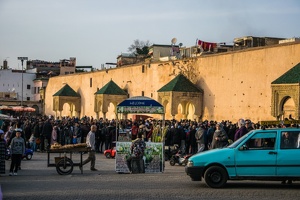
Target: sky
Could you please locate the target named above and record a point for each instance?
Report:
(98, 31)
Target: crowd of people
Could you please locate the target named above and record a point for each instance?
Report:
(39, 132)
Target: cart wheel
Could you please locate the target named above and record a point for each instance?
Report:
(64, 166)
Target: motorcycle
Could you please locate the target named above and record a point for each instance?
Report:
(179, 158)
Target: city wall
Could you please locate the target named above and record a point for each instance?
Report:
(235, 84)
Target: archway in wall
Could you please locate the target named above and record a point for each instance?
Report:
(68, 110)
(288, 108)
(167, 107)
(179, 114)
(190, 111)
(111, 113)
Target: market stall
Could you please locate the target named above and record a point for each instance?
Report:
(154, 153)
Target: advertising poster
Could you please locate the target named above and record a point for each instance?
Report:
(153, 157)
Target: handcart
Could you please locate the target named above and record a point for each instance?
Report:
(64, 164)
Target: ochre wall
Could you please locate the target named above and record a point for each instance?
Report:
(235, 84)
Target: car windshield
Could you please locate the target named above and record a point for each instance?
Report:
(236, 143)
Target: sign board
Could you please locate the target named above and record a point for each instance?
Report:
(153, 157)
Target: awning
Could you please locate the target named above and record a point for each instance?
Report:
(140, 104)
(22, 109)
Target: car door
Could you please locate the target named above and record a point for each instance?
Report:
(288, 162)
(257, 155)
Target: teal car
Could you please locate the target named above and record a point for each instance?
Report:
(262, 154)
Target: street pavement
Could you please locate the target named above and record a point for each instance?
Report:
(36, 181)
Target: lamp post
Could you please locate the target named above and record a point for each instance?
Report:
(22, 60)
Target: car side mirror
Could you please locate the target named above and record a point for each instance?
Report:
(243, 147)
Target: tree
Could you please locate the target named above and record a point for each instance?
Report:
(139, 47)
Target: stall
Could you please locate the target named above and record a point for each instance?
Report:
(154, 153)
(63, 161)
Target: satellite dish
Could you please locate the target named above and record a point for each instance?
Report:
(174, 40)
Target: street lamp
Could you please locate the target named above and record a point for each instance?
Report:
(22, 60)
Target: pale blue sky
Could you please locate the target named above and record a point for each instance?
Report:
(97, 31)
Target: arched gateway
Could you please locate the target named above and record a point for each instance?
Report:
(285, 95)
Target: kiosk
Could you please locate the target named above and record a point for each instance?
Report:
(154, 152)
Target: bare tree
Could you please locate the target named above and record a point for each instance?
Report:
(139, 47)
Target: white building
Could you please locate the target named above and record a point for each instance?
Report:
(11, 85)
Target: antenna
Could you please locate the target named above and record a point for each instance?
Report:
(173, 41)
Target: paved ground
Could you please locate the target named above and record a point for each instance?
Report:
(37, 181)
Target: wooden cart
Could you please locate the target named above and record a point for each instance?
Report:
(64, 164)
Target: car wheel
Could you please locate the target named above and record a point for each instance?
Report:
(215, 177)
(107, 155)
(29, 156)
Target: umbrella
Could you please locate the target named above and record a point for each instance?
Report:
(18, 108)
(5, 108)
(29, 109)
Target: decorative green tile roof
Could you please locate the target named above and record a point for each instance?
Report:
(180, 84)
(66, 91)
(111, 88)
(291, 76)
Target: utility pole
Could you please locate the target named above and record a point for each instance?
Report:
(22, 60)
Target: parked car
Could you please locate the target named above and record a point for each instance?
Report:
(259, 155)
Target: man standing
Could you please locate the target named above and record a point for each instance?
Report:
(90, 141)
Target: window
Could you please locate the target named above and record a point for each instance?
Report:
(91, 82)
(143, 93)
(261, 141)
(28, 87)
(28, 98)
(290, 140)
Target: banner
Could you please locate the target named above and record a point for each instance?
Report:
(153, 157)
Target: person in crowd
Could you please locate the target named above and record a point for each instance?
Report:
(137, 149)
(2, 152)
(46, 135)
(134, 130)
(32, 143)
(90, 141)
(210, 133)
(242, 130)
(54, 135)
(200, 139)
(190, 139)
(77, 132)
(220, 138)
(249, 125)
(17, 148)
